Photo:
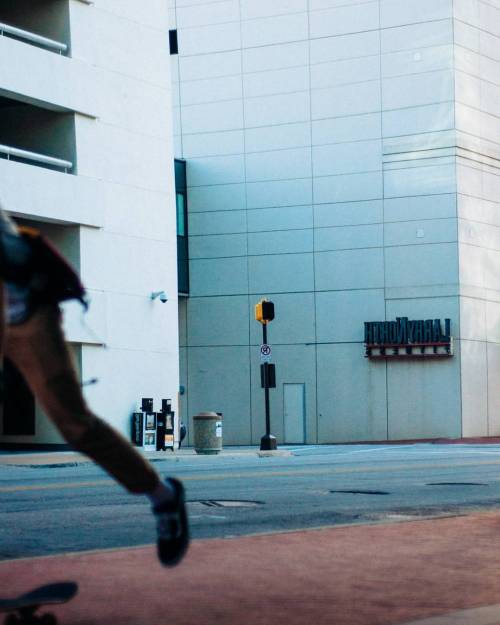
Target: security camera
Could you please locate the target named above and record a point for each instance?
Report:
(161, 295)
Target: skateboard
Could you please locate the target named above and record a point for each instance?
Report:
(21, 610)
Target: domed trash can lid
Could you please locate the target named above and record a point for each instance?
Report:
(208, 415)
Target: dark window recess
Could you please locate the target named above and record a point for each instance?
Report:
(19, 404)
(35, 129)
(174, 44)
(182, 226)
(48, 18)
(180, 202)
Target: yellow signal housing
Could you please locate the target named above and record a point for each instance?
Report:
(264, 311)
(258, 313)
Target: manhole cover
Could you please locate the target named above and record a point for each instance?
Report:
(227, 503)
(361, 492)
(456, 484)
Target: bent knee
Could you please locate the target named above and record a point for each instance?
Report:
(90, 435)
(78, 430)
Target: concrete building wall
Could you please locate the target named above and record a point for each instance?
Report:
(320, 138)
(120, 199)
(477, 91)
(420, 209)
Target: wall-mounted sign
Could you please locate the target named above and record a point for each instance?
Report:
(405, 338)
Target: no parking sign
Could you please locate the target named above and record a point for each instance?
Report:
(265, 353)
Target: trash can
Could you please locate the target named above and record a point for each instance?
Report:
(207, 433)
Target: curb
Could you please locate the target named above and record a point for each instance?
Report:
(74, 459)
(274, 452)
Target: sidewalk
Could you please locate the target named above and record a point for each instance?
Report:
(70, 458)
(446, 570)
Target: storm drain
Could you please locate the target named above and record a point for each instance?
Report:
(227, 503)
(456, 484)
(361, 492)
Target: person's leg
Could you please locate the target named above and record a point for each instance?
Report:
(2, 337)
(38, 349)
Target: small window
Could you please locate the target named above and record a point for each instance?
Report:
(174, 45)
(181, 214)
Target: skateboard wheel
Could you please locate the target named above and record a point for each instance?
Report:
(48, 619)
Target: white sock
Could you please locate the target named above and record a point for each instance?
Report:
(163, 493)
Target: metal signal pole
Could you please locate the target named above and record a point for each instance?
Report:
(264, 313)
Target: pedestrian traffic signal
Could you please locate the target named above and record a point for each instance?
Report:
(264, 311)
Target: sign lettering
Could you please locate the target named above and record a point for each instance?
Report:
(405, 338)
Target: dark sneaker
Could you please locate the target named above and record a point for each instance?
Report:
(172, 525)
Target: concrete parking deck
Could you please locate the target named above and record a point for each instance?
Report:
(446, 570)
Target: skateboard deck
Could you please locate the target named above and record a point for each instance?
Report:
(21, 610)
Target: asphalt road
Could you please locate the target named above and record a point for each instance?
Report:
(46, 510)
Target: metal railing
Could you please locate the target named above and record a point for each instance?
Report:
(35, 157)
(31, 37)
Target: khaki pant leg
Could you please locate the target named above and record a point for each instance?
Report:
(2, 337)
(39, 351)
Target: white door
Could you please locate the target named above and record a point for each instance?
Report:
(294, 413)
